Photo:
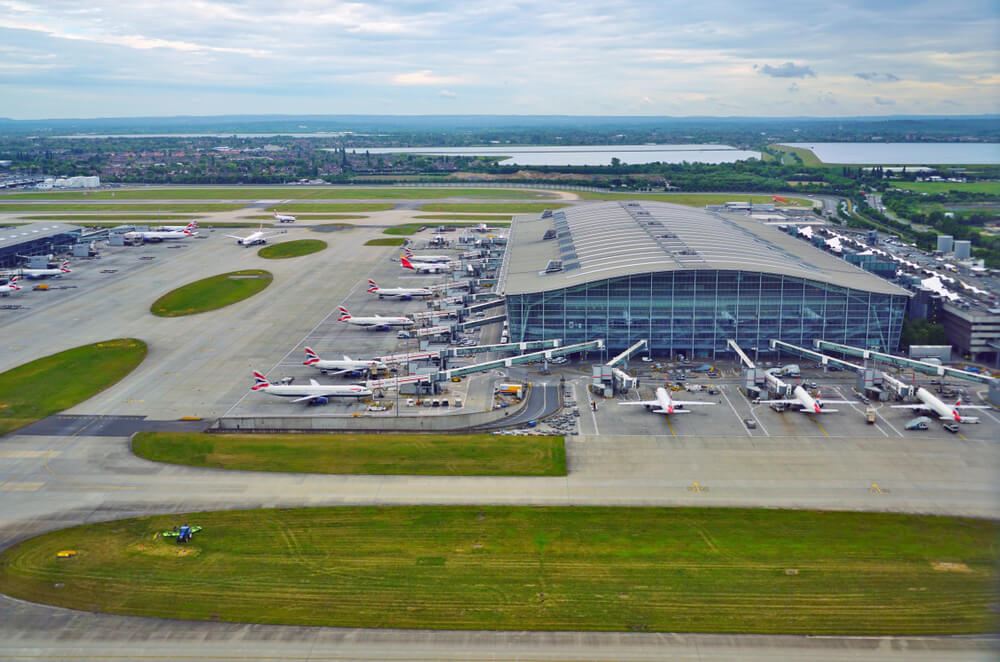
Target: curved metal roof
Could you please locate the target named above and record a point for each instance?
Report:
(612, 239)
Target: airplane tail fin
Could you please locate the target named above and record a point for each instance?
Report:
(64, 267)
(259, 381)
(312, 357)
(406, 264)
(344, 314)
(407, 252)
(372, 286)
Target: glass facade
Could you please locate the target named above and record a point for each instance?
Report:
(694, 312)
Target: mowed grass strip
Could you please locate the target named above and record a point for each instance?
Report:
(296, 248)
(531, 568)
(295, 193)
(112, 219)
(386, 241)
(992, 188)
(48, 385)
(316, 217)
(413, 228)
(696, 199)
(166, 208)
(296, 207)
(466, 217)
(490, 208)
(387, 454)
(211, 293)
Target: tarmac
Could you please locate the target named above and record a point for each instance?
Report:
(199, 366)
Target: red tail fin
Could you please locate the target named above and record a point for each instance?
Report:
(406, 264)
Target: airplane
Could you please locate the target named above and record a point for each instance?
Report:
(10, 287)
(254, 238)
(156, 236)
(425, 259)
(34, 274)
(284, 218)
(667, 405)
(400, 292)
(931, 403)
(313, 394)
(807, 404)
(482, 227)
(340, 366)
(425, 268)
(376, 322)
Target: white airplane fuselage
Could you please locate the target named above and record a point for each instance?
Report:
(349, 365)
(325, 391)
(379, 322)
(428, 259)
(402, 292)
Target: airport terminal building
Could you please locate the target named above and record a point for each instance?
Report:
(687, 280)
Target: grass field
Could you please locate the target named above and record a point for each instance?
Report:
(386, 241)
(392, 454)
(316, 217)
(113, 219)
(538, 568)
(692, 199)
(465, 217)
(489, 208)
(807, 156)
(211, 293)
(32, 391)
(296, 248)
(992, 188)
(130, 208)
(295, 193)
(296, 207)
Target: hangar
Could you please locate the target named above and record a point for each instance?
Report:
(687, 280)
(18, 242)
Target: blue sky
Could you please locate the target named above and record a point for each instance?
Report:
(61, 58)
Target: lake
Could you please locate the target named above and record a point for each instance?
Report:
(904, 153)
(584, 155)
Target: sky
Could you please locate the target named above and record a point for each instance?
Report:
(114, 58)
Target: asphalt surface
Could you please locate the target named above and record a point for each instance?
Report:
(74, 472)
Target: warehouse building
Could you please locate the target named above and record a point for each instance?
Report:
(687, 280)
(35, 239)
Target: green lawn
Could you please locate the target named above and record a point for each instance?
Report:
(295, 193)
(396, 454)
(108, 207)
(386, 241)
(113, 219)
(211, 293)
(295, 248)
(465, 217)
(405, 229)
(993, 188)
(296, 207)
(807, 156)
(487, 208)
(693, 199)
(531, 568)
(32, 391)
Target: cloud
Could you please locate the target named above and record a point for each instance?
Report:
(425, 77)
(875, 77)
(447, 94)
(788, 70)
(882, 101)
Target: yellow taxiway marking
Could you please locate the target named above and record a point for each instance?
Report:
(12, 486)
(875, 489)
(820, 426)
(697, 487)
(670, 426)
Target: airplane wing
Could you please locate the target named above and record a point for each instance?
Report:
(233, 236)
(307, 398)
(972, 407)
(918, 406)
(834, 402)
(780, 402)
(676, 411)
(313, 382)
(645, 403)
(337, 372)
(692, 403)
(271, 234)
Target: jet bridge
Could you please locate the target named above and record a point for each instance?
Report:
(740, 353)
(515, 347)
(870, 381)
(622, 382)
(903, 362)
(815, 356)
(472, 324)
(484, 306)
(485, 366)
(624, 356)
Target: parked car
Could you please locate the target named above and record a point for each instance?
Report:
(951, 427)
(750, 423)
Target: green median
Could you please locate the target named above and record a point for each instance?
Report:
(396, 454)
(530, 568)
(386, 241)
(211, 293)
(296, 248)
(49, 385)
(490, 207)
